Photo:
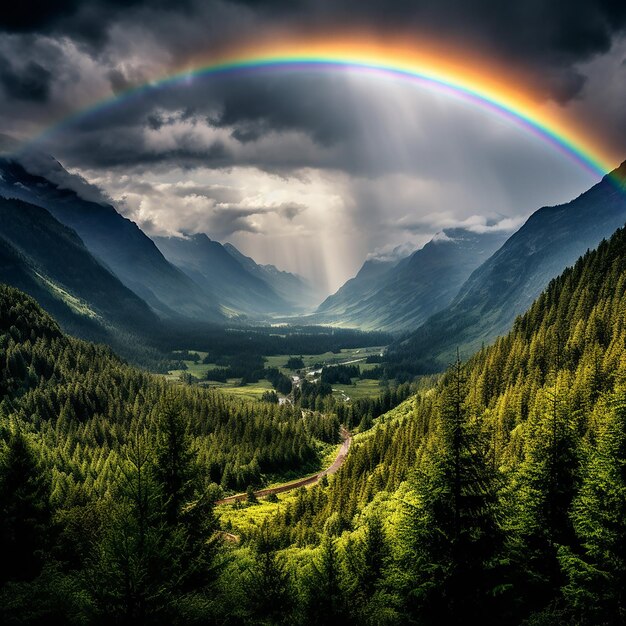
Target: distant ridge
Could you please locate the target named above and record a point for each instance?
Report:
(397, 296)
(114, 240)
(210, 265)
(48, 260)
(552, 239)
(295, 290)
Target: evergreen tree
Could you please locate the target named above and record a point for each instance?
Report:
(450, 531)
(269, 590)
(596, 587)
(136, 565)
(25, 511)
(175, 467)
(538, 500)
(325, 599)
(367, 561)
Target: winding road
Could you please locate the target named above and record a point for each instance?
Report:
(301, 482)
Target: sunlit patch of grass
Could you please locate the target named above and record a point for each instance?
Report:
(241, 518)
(366, 388)
(75, 304)
(327, 358)
(197, 370)
(251, 391)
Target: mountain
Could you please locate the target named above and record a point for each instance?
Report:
(400, 295)
(293, 289)
(517, 455)
(209, 264)
(505, 285)
(49, 261)
(114, 240)
(364, 285)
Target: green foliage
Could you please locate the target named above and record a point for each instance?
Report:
(295, 363)
(496, 494)
(325, 599)
(596, 587)
(25, 512)
(511, 470)
(271, 595)
(251, 496)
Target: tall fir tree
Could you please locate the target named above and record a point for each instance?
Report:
(25, 511)
(450, 531)
(596, 574)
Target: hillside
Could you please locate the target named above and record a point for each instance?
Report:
(114, 240)
(50, 262)
(362, 286)
(493, 495)
(210, 265)
(400, 296)
(506, 284)
(296, 291)
(497, 496)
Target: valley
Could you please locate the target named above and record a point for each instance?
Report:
(300, 452)
(304, 367)
(312, 314)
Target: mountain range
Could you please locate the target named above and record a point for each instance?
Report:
(400, 295)
(99, 273)
(295, 290)
(114, 240)
(240, 284)
(507, 283)
(196, 279)
(48, 260)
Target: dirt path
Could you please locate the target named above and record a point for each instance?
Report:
(301, 482)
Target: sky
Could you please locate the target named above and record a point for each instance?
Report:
(313, 171)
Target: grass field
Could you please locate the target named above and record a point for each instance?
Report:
(241, 518)
(327, 358)
(363, 389)
(252, 391)
(197, 370)
(366, 388)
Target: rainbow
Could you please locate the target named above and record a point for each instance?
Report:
(458, 78)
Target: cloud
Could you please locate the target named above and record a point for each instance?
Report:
(290, 210)
(446, 223)
(48, 167)
(307, 170)
(31, 81)
(549, 37)
(391, 252)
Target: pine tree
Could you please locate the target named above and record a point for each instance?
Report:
(367, 562)
(538, 500)
(137, 563)
(450, 532)
(25, 512)
(325, 600)
(596, 587)
(269, 589)
(175, 468)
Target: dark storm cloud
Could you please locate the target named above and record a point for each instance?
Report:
(85, 20)
(550, 35)
(121, 38)
(263, 103)
(31, 81)
(32, 15)
(290, 211)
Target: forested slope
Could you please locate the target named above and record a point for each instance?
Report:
(498, 496)
(399, 297)
(49, 261)
(503, 489)
(82, 403)
(506, 285)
